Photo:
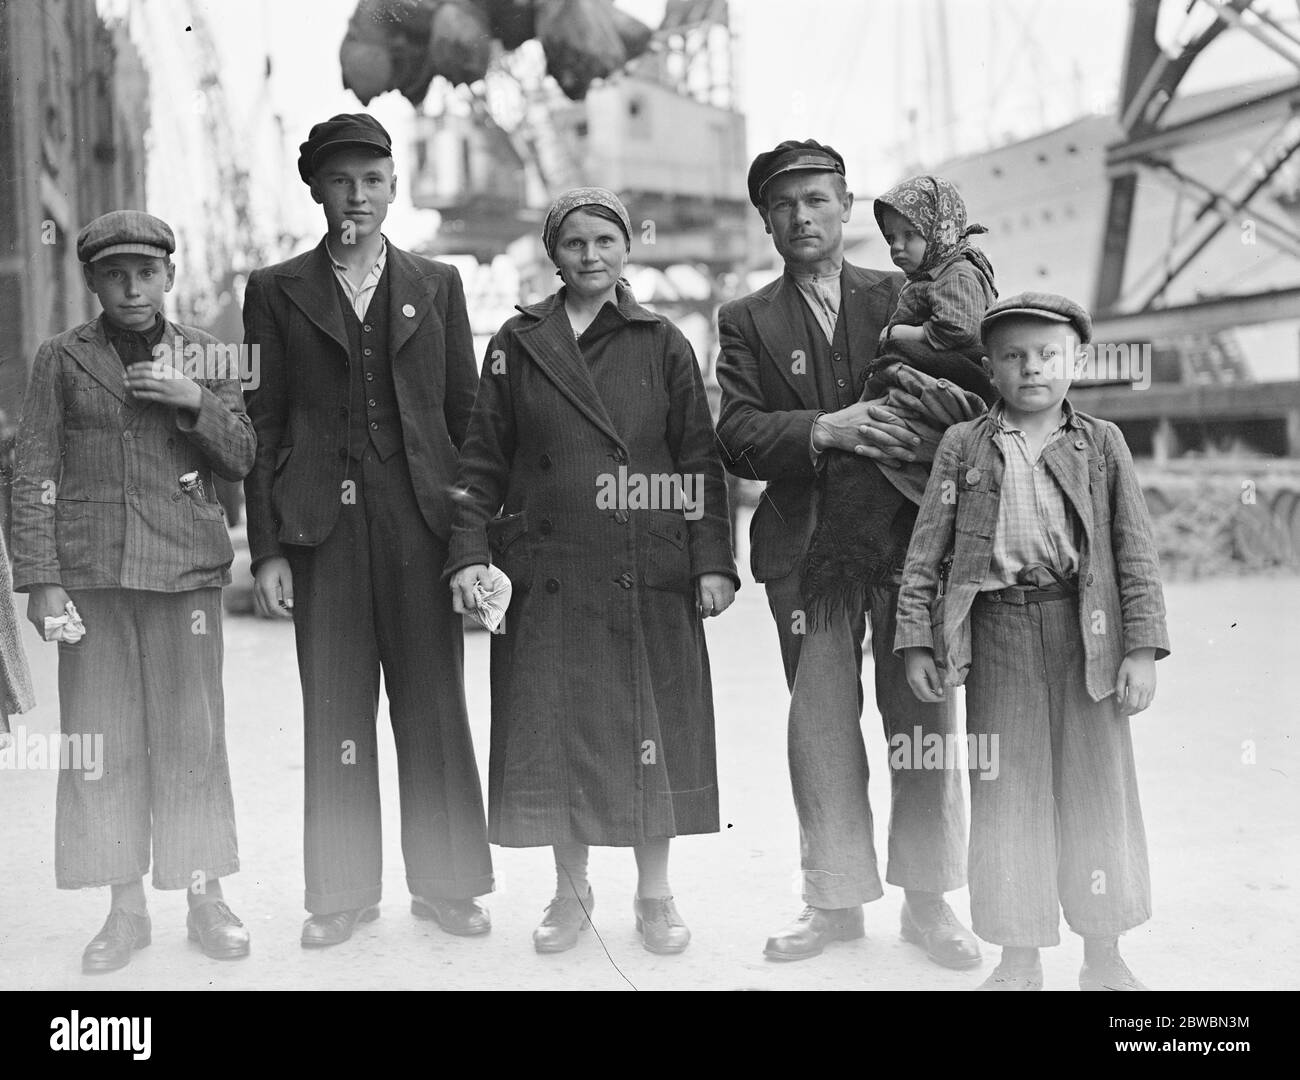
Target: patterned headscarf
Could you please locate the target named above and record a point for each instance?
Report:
(935, 210)
(575, 200)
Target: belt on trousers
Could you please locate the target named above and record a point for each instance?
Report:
(1019, 595)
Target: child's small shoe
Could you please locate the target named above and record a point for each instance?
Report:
(1108, 974)
(1018, 977)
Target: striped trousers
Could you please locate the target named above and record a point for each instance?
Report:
(145, 685)
(1059, 827)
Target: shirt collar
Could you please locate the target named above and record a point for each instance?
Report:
(380, 261)
(803, 278)
(997, 417)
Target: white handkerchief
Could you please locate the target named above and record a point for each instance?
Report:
(67, 627)
(491, 601)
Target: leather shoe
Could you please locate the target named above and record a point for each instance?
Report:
(111, 948)
(219, 933)
(1005, 977)
(810, 932)
(466, 918)
(660, 926)
(335, 928)
(932, 925)
(566, 917)
(1110, 974)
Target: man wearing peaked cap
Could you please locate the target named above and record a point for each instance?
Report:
(368, 377)
(792, 368)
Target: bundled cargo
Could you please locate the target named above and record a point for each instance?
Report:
(402, 44)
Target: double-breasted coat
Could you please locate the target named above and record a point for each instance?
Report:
(599, 491)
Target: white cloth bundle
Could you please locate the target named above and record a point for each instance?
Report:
(491, 601)
(67, 627)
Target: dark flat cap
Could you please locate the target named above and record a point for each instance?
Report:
(347, 130)
(125, 232)
(790, 156)
(1036, 305)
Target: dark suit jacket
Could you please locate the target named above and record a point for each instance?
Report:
(291, 311)
(769, 401)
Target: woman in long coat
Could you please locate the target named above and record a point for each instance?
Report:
(590, 477)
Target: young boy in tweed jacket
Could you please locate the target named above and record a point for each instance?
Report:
(114, 514)
(1053, 616)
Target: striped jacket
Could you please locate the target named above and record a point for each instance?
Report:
(1121, 604)
(96, 498)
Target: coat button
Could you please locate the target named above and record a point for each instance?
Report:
(625, 579)
(972, 476)
(619, 455)
(544, 526)
(839, 382)
(374, 426)
(621, 516)
(366, 328)
(371, 403)
(837, 356)
(1088, 581)
(544, 461)
(370, 376)
(1079, 444)
(552, 586)
(366, 352)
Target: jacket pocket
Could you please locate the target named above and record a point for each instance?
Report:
(211, 543)
(507, 539)
(665, 559)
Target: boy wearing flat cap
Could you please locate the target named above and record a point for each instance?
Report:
(793, 363)
(368, 378)
(1032, 577)
(117, 529)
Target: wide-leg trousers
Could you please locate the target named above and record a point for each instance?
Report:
(370, 596)
(141, 694)
(1059, 827)
(828, 758)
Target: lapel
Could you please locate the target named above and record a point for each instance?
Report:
(94, 353)
(1067, 460)
(862, 327)
(550, 342)
(314, 289)
(410, 298)
(776, 317)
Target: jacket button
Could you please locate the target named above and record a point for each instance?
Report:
(544, 526)
(1089, 580)
(366, 352)
(1079, 444)
(544, 461)
(371, 403)
(374, 426)
(625, 579)
(366, 328)
(621, 516)
(370, 376)
(839, 382)
(972, 476)
(552, 586)
(619, 455)
(836, 356)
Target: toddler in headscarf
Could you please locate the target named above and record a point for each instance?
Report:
(936, 325)
(929, 352)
